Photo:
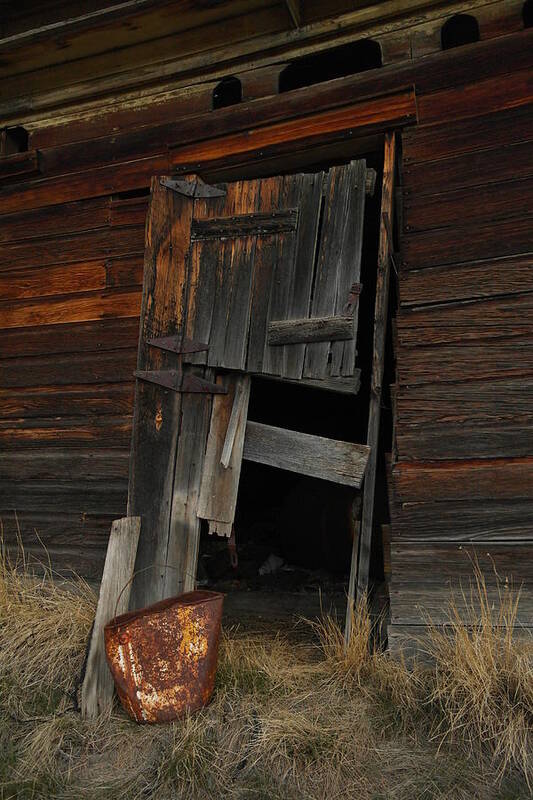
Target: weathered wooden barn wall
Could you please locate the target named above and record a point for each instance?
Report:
(72, 232)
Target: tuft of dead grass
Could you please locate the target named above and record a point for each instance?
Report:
(482, 682)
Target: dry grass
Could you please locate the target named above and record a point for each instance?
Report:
(482, 687)
(289, 719)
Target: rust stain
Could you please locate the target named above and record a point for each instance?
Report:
(158, 418)
(163, 658)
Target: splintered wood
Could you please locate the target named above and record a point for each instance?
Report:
(222, 467)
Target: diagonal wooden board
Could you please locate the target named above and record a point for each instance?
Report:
(97, 687)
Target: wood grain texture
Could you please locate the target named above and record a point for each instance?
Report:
(97, 687)
(220, 483)
(378, 356)
(464, 281)
(340, 462)
(417, 593)
(482, 479)
(314, 329)
(156, 417)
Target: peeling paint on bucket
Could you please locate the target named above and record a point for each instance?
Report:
(163, 658)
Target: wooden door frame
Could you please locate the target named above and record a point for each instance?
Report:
(350, 122)
(347, 122)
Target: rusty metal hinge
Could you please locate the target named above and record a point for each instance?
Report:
(178, 344)
(193, 189)
(180, 382)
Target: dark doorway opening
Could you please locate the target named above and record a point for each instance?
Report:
(294, 534)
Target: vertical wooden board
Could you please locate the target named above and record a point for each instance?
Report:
(343, 354)
(239, 303)
(97, 688)
(156, 416)
(184, 535)
(324, 292)
(233, 264)
(218, 495)
(203, 277)
(378, 358)
(282, 252)
(306, 194)
(264, 265)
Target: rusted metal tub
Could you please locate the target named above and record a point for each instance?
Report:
(163, 658)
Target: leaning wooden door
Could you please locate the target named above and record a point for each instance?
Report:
(258, 277)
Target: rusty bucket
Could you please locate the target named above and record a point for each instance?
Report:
(163, 658)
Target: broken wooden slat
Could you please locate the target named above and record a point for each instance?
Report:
(97, 688)
(316, 456)
(245, 225)
(240, 408)
(316, 329)
(378, 358)
(220, 484)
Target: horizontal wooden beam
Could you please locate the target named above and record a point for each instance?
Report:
(316, 456)
(316, 329)
(372, 115)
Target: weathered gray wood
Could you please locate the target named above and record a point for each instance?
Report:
(97, 688)
(316, 456)
(219, 487)
(317, 329)
(184, 529)
(378, 358)
(338, 266)
(239, 408)
(302, 266)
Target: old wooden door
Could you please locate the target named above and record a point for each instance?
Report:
(253, 277)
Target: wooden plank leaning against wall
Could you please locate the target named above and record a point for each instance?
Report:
(83, 454)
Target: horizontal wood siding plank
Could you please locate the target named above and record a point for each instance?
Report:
(495, 479)
(77, 337)
(484, 132)
(510, 275)
(425, 574)
(54, 464)
(463, 402)
(43, 281)
(105, 431)
(58, 220)
(53, 250)
(479, 204)
(512, 436)
(492, 94)
(87, 497)
(449, 364)
(464, 520)
(67, 401)
(507, 163)
(467, 242)
(111, 366)
(499, 317)
(71, 308)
